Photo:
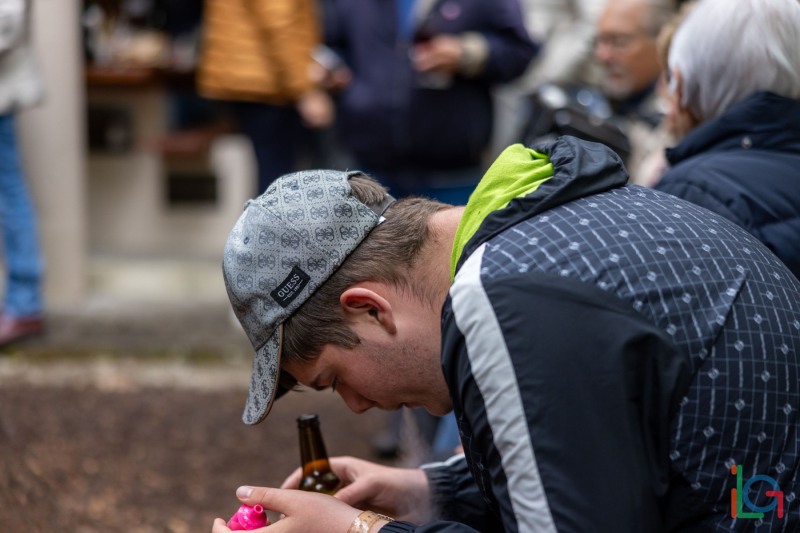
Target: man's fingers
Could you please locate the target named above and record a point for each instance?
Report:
(283, 501)
(220, 526)
(347, 468)
(303, 511)
(354, 494)
(268, 498)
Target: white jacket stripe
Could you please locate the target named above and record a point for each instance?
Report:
(497, 382)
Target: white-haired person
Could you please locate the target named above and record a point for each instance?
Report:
(735, 106)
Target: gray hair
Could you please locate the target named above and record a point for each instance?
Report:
(727, 51)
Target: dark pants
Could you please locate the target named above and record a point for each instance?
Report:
(275, 132)
(283, 144)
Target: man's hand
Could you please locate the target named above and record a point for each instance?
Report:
(441, 54)
(401, 493)
(316, 109)
(331, 80)
(306, 512)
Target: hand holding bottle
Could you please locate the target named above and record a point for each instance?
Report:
(402, 493)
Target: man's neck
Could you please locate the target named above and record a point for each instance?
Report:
(631, 104)
(433, 264)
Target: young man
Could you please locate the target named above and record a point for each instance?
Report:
(610, 352)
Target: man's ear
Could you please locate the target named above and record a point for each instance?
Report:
(682, 120)
(363, 303)
(676, 85)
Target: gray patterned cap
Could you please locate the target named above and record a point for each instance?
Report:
(285, 245)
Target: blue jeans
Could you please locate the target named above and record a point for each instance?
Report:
(23, 261)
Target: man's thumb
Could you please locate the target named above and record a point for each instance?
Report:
(268, 498)
(353, 494)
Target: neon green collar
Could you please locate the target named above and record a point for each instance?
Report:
(517, 172)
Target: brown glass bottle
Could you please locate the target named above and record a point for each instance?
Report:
(317, 473)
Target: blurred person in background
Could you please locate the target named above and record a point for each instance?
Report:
(735, 106)
(258, 56)
(417, 112)
(566, 30)
(20, 87)
(630, 69)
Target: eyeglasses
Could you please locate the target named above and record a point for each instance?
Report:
(618, 41)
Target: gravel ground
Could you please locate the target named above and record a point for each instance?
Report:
(131, 422)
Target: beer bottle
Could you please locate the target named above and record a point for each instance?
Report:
(317, 473)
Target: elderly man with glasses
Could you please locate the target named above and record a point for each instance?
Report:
(627, 53)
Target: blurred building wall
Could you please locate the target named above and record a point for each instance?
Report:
(52, 139)
(102, 215)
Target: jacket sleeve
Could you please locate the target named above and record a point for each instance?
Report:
(432, 527)
(458, 505)
(511, 49)
(564, 396)
(14, 20)
(456, 497)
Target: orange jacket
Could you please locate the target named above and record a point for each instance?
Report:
(258, 50)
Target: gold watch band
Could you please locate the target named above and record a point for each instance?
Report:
(365, 520)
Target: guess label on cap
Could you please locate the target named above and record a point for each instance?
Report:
(288, 290)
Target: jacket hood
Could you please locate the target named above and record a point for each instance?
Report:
(524, 182)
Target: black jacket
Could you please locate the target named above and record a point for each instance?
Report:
(611, 351)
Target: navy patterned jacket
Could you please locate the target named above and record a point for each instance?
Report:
(612, 352)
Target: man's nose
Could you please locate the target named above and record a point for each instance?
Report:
(603, 51)
(357, 403)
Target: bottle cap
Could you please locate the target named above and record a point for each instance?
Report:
(308, 420)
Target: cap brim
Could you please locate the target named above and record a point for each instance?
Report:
(264, 380)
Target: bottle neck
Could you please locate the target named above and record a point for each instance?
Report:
(312, 449)
(317, 473)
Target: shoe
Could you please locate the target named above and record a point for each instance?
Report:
(13, 329)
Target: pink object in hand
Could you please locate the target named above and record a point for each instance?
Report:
(247, 518)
